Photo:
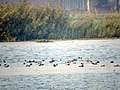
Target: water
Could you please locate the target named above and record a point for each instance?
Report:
(61, 82)
(96, 50)
(102, 50)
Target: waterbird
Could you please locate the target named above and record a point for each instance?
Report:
(54, 65)
(69, 61)
(43, 60)
(5, 65)
(111, 61)
(41, 64)
(30, 63)
(33, 61)
(116, 65)
(102, 65)
(51, 61)
(88, 61)
(82, 65)
(79, 57)
(68, 64)
(36, 62)
(6, 57)
(60, 59)
(27, 65)
(4, 61)
(95, 63)
(98, 62)
(74, 62)
(115, 57)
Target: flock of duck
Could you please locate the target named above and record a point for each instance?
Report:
(4, 64)
(29, 63)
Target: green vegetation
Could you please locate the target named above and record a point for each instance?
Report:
(43, 40)
(25, 21)
(96, 26)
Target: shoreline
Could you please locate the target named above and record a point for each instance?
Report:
(53, 40)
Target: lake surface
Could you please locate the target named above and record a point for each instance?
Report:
(15, 53)
(61, 82)
(102, 50)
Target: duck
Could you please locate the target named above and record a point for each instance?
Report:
(116, 65)
(82, 65)
(102, 65)
(27, 65)
(98, 62)
(41, 64)
(68, 64)
(74, 60)
(6, 66)
(43, 60)
(33, 61)
(36, 62)
(30, 63)
(69, 61)
(4, 61)
(95, 62)
(60, 59)
(111, 61)
(54, 65)
(51, 61)
(79, 57)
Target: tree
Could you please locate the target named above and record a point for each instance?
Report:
(88, 7)
(117, 6)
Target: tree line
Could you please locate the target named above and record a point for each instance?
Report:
(25, 21)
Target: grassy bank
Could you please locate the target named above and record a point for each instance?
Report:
(53, 40)
(43, 41)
